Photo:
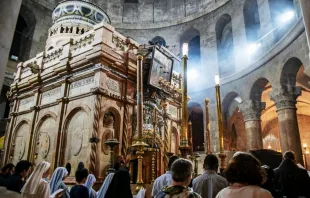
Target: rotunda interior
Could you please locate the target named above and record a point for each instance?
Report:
(259, 49)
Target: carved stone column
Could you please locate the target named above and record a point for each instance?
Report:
(166, 133)
(125, 138)
(285, 100)
(94, 136)
(251, 111)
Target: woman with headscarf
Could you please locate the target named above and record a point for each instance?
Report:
(36, 186)
(120, 185)
(56, 181)
(91, 179)
(103, 190)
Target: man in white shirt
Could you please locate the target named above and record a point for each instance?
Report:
(209, 183)
(165, 179)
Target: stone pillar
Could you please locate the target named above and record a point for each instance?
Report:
(9, 11)
(251, 111)
(285, 100)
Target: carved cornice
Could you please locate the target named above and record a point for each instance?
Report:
(251, 110)
(285, 98)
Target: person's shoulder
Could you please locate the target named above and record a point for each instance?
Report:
(260, 190)
(264, 193)
(194, 195)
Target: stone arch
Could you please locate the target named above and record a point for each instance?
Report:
(25, 27)
(225, 45)
(289, 72)
(192, 37)
(257, 89)
(45, 138)
(251, 20)
(158, 40)
(195, 115)
(188, 35)
(21, 137)
(233, 122)
(77, 124)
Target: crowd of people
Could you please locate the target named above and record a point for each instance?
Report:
(15, 183)
(244, 176)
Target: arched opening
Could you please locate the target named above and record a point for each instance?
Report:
(225, 45)
(196, 117)
(158, 40)
(277, 10)
(77, 147)
(192, 37)
(251, 20)
(269, 118)
(22, 40)
(46, 137)
(21, 143)
(234, 130)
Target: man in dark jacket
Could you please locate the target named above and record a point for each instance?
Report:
(291, 180)
(17, 180)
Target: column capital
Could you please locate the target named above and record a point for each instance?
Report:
(285, 98)
(251, 109)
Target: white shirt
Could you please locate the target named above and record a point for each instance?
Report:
(209, 184)
(160, 182)
(245, 191)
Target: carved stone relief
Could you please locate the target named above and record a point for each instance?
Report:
(21, 147)
(82, 86)
(26, 103)
(113, 86)
(173, 111)
(82, 82)
(21, 143)
(78, 138)
(44, 144)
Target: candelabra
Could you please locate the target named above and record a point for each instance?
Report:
(222, 155)
(111, 142)
(139, 144)
(184, 148)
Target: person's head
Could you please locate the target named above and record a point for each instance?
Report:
(68, 167)
(59, 174)
(121, 180)
(211, 162)
(244, 168)
(81, 165)
(289, 155)
(23, 168)
(81, 175)
(171, 160)
(182, 171)
(8, 169)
